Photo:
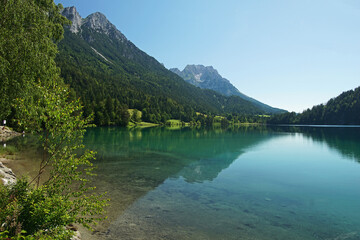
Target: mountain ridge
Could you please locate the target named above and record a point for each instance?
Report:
(207, 77)
(109, 72)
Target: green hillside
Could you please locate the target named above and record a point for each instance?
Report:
(111, 74)
(342, 110)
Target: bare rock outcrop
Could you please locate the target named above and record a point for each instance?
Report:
(75, 18)
(6, 174)
(6, 134)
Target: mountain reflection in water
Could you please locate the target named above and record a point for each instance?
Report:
(248, 182)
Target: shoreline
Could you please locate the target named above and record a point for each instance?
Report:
(6, 174)
(6, 134)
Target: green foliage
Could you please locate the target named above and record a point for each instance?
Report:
(174, 122)
(224, 123)
(342, 110)
(230, 119)
(61, 199)
(33, 213)
(29, 31)
(20, 236)
(135, 115)
(42, 208)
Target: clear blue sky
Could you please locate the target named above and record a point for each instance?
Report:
(290, 54)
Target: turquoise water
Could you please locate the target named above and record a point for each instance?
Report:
(246, 183)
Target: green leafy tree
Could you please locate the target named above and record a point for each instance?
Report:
(136, 116)
(43, 104)
(62, 197)
(29, 31)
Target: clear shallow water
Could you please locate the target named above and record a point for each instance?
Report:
(247, 183)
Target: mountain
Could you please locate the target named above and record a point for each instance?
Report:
(341, 110)
(209, 78)
(111, 74)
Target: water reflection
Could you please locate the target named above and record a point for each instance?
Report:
(157, 153)
(143, 167)
(132, 163)
(24, 154)
(242, 186)
(344, 140)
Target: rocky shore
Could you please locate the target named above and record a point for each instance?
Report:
(7, 134)
(8, 177)
(6, 174)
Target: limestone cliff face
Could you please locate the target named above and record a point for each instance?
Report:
(99, 23)
(71, 14)
(95, 29)
(96, 22)
(208, 78)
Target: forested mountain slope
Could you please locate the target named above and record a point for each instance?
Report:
(111, 74)
(342, 110)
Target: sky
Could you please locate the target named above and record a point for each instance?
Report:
(290, 54)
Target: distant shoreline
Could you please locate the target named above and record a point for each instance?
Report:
(315, 125)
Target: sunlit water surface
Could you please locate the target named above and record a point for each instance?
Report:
(245, 183)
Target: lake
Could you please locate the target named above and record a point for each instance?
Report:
(243, 183)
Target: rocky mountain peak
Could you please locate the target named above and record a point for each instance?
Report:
(209, 78)
(98, 22)
(175, 70)
(202, 70)
(72, 14)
